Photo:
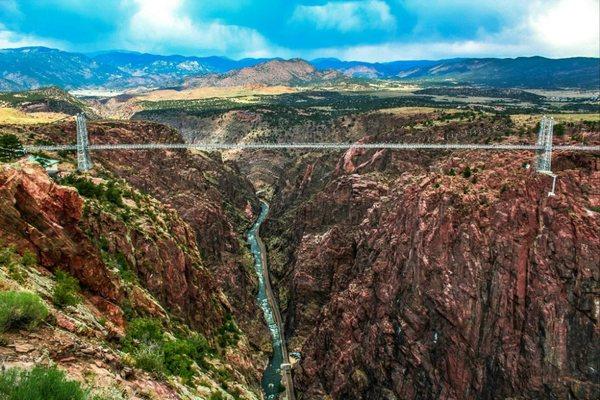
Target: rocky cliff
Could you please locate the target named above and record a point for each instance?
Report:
(171, 249)
(132, 259)
(439, 276)
(210, 195)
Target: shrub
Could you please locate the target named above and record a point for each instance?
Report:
(21, 309)
(40, 383)
(180, 354)
(177, 359)
(144, 331)
(152, 352)
(89, 189)
(85, 187)
(150, 358)
(559, 130)
(466, 172)
(228, 333)
(66, 290)
(28, 259)
(114, 195)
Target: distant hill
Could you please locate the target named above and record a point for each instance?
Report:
(146, 65)
(35, 67)
(269, 73)
(526, 72)
(51, 99)
(371, 70)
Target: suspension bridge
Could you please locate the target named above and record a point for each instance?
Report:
(543, 147)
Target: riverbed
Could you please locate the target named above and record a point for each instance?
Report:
(271, 382)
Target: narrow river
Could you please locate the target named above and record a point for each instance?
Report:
(271, 382)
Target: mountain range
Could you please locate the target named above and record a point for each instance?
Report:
(34, 67)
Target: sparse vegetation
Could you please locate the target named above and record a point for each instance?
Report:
(28, 259)
(15, 264)
(66, 290)
(109, 192)
(216, 396)
(154, 352)
(39, 383)
(21, 310)
(52, 99)
(118, 261)
(228, 333)
(108, 394)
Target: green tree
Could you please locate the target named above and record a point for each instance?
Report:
(10, 148)
(467, 172)
(559, 130)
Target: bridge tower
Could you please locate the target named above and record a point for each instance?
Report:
(544, 142)
(543, 162)
(84, 163)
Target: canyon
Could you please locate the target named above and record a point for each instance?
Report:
(399, 274)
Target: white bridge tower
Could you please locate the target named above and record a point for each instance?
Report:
(84, 163)
(543, 163)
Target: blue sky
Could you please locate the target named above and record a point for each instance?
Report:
(369, 30)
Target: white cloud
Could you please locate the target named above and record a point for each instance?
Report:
(347, 16)
(160, 25)
(10, 39)
(556, 28)
(567, 27)
(419, 50)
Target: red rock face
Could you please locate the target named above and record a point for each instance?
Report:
(198, 270)
(430, 286)
(209, 195)
(46, 218)
(38, 215)
(168, 266)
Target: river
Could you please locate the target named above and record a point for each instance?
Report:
(271, 382)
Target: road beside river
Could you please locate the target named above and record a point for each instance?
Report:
(273, 373)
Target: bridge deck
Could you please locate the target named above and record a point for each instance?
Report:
(309, 146)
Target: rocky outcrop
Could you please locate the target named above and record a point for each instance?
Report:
(209, 194)
(442, 281)
(211, 206)
(134, 260)
(43, 217)
(49, 220)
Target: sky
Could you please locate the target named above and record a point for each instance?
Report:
(366, 30)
